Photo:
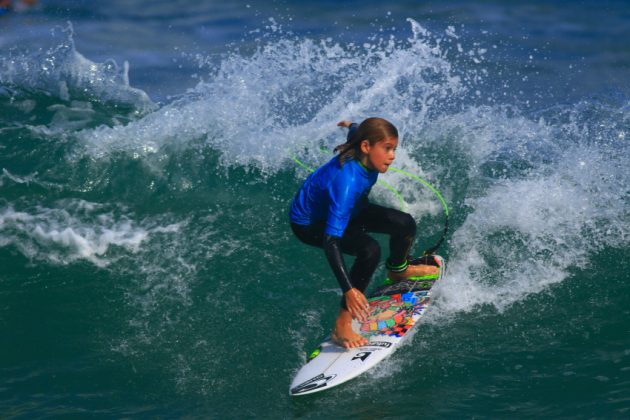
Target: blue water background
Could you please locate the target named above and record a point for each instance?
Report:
(146, 267)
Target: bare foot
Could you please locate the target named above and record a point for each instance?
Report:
(347, 339)
(413, 271)
(344, 335)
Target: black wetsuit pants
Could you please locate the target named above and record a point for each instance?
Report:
(356, 242)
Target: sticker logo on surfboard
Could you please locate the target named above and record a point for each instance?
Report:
(317, 382)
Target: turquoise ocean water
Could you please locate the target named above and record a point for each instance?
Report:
(146, 264)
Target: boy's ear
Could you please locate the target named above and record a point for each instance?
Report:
(365, 146)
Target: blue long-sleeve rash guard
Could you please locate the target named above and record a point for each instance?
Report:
(333, 194)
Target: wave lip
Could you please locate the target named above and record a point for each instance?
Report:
(63, 72)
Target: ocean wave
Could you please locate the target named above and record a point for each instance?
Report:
(255, 109)
(533, 194)
(62, 72)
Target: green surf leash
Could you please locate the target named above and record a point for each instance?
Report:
(403, 205)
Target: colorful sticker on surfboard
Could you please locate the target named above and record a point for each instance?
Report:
(393, 315)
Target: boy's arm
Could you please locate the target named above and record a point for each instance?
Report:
(356, 302)
(332, 249)
(352, 127)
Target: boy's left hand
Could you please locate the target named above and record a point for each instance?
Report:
(357, 304)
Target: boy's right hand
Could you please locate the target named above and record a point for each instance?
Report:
(357, 304)
(344, 123)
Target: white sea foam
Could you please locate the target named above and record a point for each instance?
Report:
(73, 230)
(6, 175)
(565, 199)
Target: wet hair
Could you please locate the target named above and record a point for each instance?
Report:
(373, 130)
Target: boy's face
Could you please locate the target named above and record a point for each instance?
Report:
(380, 155)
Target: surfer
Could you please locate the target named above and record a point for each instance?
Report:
(331, 211)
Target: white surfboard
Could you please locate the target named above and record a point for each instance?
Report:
(394, 310)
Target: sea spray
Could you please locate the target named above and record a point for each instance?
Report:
(65, 73)
(287, 96)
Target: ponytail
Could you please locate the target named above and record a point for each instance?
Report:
(373, 130)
